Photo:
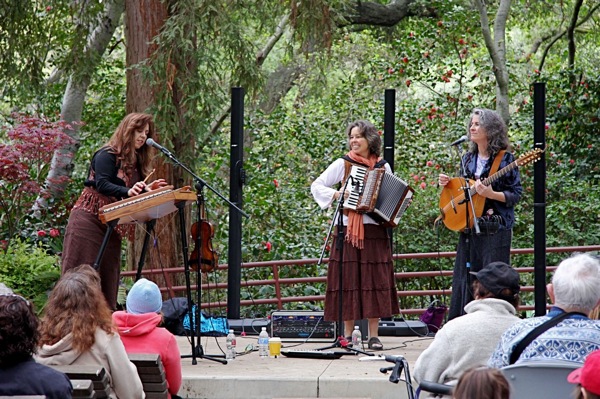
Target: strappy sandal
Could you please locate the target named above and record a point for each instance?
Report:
(375, 344)
(349, 339)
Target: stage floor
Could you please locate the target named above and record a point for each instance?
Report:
(249, 376)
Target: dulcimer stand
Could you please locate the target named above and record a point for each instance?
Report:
(143, 208)
(200, 184)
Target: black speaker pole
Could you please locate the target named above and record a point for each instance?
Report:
(389, 134)
(389, 126)
(234, 275)
(539, 199)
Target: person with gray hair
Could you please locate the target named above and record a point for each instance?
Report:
(575, 292)
(489, 152)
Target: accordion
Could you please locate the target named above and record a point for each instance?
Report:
(378, 193)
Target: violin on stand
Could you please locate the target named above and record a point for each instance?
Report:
(203, 253)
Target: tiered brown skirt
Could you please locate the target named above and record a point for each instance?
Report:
(368, 283)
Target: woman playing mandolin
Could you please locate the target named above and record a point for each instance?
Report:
(496, 201)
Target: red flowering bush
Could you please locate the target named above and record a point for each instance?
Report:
(25, 160)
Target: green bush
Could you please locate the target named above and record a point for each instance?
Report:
(29, 270)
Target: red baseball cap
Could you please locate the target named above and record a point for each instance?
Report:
(587, 376)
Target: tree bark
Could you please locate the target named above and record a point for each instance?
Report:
(74, 99)
(496, 47)
(143, 21)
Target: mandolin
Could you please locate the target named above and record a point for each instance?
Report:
(452, 199)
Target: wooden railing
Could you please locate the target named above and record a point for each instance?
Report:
(278, 282)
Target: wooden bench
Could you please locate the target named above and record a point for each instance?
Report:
(100, 387)
(152, 373)
(83, 389)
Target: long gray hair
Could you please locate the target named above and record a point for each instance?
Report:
(495, 129)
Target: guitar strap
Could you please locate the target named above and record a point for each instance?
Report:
(497, 160)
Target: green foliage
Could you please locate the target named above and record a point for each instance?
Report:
(29, 270)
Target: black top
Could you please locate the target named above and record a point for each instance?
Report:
(103, 175)
(31, 378)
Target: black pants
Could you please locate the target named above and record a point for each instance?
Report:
(483, 249)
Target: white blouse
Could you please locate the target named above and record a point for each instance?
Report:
(323, 192)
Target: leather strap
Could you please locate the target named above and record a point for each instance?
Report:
(497, 160)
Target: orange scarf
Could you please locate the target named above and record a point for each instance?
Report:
(355, 233)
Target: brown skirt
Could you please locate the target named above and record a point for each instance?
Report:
(368, 283)
(83, 239)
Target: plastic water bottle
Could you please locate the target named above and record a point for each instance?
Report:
(356, 338)
(263, 343)
(230, 343)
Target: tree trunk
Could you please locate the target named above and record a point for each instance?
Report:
(144, 21)
(496, 47)
(74, 99)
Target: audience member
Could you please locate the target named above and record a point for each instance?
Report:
(470, 339)
(574, 292)
(19, 373)
(77, 329)
(587, 377)
(482, 383)
(140, 331)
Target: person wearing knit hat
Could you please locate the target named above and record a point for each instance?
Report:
(140, 331)
(587, 377)
(144, 297)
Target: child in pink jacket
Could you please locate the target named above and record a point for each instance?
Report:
(140, 331)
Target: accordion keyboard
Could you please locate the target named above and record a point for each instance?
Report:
(357, 179)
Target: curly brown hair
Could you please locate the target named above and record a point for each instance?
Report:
(18, 330)
(76, 305)
(122, 143)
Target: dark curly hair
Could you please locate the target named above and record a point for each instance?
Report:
(18, 330)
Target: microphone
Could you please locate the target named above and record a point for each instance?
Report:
(159, 147)
(457, 142)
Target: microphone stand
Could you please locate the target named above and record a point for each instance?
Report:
(468, 201)
(197, 350)
(340, 341)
